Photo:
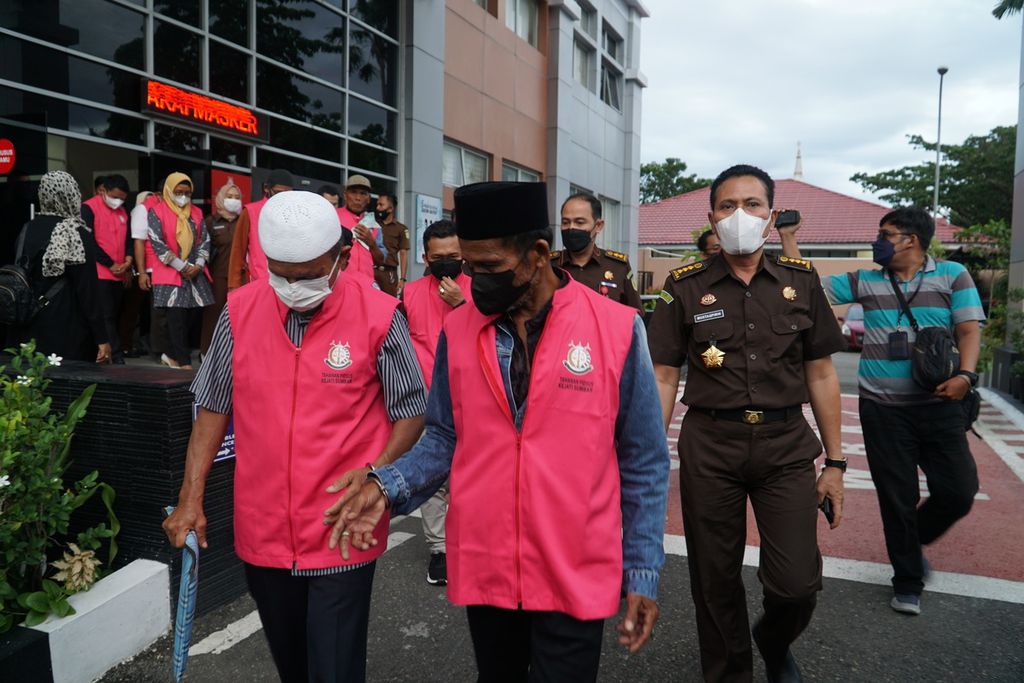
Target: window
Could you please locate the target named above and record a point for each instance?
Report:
(611, 43)
(229, 19)
(646, 281)
(588, 20)
(229, 72)
(380, 14)
(461, 166)
(517, 174)
(610, 211)
(185, 11)
(371, 123)
(611, 85)
(281, 91)
(303, 34)
(177, 53)
(372, 65)
(521, 17)
(583, 64)
(229, 152)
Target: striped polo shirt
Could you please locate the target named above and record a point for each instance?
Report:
(942, 294)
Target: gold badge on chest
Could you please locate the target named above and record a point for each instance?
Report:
(713, 357)
(708, 299)
(789, 294)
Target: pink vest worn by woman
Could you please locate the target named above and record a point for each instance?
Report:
(426, 312)
(534, 518)
(110, 229)
(256, 260)
(303, 416)
(360, 262)
(162, 273)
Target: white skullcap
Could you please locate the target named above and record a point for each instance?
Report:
(298, 226)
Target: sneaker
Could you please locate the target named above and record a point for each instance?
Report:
(437, 570)
(906, 604)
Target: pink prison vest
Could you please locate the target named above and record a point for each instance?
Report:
(534, 518)
(164, 274)
(256, 260)
(303, 416)
(359, 261)
(426, 312)
(110, 229)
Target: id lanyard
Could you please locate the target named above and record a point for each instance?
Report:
(899, 316)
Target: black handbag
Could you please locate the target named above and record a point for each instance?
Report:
(934, 357)
(18, 302)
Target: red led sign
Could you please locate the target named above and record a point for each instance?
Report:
(223, 117)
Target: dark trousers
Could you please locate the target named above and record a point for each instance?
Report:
(179, 327)
(316, 626)
(517, 645)
(898, 440)
(722, 464)
(109, 297)
(128, 320)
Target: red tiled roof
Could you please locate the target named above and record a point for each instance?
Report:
(827, 217)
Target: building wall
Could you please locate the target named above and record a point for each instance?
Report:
(495, 98)
(592, 145)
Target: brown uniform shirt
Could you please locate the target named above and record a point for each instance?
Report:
(396, 238)
(607, 273)
(766, 330)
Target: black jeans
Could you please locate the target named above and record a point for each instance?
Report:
(316, 626)
(516, 645)
(110, 295)
(898, 440)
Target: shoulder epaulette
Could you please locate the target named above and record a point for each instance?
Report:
(795, 263)
(555, 254)
(686, 271)
(618, 256)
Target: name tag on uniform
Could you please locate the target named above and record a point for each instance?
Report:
(710, 315)
(609, 284)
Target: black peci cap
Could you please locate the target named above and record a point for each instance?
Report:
(485, 211)
(280, 176)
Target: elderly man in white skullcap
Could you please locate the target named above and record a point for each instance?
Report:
(321, 376)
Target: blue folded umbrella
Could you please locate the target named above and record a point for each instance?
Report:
(186, 602)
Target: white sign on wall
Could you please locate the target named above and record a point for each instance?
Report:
(428, 210)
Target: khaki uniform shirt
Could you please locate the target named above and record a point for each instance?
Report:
(607, 273)
(766, 331)
(396, 238)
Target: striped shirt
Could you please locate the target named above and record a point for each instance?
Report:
(942, 294)
(397, 367)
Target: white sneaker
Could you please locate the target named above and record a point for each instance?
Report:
(906, 604)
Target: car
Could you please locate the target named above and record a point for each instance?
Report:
(853, 327)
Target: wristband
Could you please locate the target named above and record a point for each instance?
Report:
(838, 464)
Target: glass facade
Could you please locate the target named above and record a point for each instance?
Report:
(324, 73)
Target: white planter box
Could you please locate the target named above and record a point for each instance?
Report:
(120, 616)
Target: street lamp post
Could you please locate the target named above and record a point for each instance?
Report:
(938, 146)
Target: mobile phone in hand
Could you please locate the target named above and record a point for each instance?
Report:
(787, 218)
(826, 509)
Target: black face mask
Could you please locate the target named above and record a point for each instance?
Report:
(447, 267)
(381, 216)
(494, 293)
(576, 240)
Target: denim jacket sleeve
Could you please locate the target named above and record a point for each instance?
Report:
(643, 470)
(412, 479)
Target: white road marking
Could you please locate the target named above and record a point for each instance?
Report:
(1006, 452)
(950, 583)
(237, 631)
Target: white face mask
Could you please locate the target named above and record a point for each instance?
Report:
(111, 202)
(741, 233)
(181, 200)
(302, 295)
(233, 205)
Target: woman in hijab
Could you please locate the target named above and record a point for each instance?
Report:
(181, 284)
(220, 225)
(61, 258)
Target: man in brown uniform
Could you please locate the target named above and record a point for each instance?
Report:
(391, 274)
(757, 334)
(604, 271)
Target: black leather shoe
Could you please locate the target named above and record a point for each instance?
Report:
(785, 672)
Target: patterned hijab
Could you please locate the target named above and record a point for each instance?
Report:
(60, 196)
(183, 231)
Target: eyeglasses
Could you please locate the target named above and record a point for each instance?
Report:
(885, 234)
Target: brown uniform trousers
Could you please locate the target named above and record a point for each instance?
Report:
(396, 238)
(766, 331)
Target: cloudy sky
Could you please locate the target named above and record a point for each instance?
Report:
(732, 81)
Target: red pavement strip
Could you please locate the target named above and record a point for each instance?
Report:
(981, 556)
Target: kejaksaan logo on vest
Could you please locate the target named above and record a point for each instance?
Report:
(578, 361)
(338, 356)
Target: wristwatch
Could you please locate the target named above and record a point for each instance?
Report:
(840, 464)
(972, 377)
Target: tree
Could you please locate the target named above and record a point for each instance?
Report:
(663, 180)
(1007, 8)
(976, 184)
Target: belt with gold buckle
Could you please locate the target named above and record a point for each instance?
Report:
(751, 416)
